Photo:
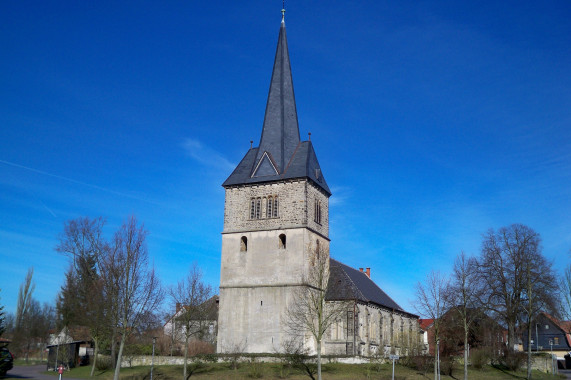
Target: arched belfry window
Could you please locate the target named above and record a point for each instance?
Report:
(270, 208)
(282, 242)
(243, 244)
(275, 208)
(256, 208)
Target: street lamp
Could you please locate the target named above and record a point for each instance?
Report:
(153, 357)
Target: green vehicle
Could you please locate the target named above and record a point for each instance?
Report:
(6, 360)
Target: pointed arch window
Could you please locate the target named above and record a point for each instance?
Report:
(317, 212)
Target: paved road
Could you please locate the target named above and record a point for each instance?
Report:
(32, 372)
(566, 372)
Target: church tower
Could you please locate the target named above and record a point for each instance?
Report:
(276, 216)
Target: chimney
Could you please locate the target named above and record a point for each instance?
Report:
(368, 272)
(361, 270)
(177, 307)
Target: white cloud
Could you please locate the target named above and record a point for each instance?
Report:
(206, 155)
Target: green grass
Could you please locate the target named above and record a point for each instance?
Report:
(256, 370)
(22, 362)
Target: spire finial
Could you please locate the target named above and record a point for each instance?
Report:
(283, 11)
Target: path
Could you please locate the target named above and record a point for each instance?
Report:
(32, 372)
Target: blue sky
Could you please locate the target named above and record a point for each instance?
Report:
(432, 121)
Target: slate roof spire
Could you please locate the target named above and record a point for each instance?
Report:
(281, 153)
(280, 133)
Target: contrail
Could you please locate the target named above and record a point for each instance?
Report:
(74, 181)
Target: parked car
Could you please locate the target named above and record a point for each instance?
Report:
(6, 360)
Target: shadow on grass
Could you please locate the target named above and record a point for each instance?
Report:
(506, 371)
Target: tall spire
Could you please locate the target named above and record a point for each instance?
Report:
(281, 155)
(280, 133)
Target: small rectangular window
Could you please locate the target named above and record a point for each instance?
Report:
(317, 212)
(556, 341)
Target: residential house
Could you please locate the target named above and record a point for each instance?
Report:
(549, 335)
(206, 327)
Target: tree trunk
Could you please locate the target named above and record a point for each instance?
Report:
(529, 349)
(95, 353)
(319, 360)
(465, 350)
(119, 358)
(511, 335)
(185, 356)
(436, 362)
(113, 338)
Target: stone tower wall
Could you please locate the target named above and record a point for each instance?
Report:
(296, 207)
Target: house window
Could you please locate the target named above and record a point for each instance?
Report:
(243, 244)
(282, 242)
(317, 212)
(556, 341)
(547, 327)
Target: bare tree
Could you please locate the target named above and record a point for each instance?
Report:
(2, 320)
(503, 267)
(23, 310)
(308, 312)
(431, 303)
(463, 294)
(540, 290)
(565, 288)
(81, 300)
(197, 308)
(132, 286)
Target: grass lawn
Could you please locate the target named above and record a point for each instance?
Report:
(222, 371)
(22, 362)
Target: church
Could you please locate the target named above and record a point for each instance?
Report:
(276, 215)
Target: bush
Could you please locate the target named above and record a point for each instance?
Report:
(512, 360)
(103, 363)
(479, 358)
(211, 358)
(421, 363)
(255, 369)
(447, 365)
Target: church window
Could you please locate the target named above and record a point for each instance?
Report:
(269, 212)
(317, 212)
(317, 248)
(258, 208)
(350, 324)
(282, 243)
(252, 208)
(243, 244)
(275, 208)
